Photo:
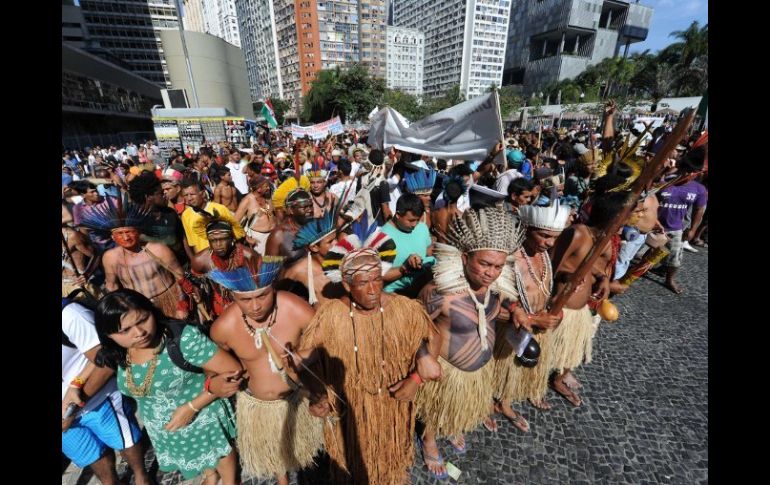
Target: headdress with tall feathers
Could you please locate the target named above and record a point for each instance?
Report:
(420, 181)
(317, 171)
(115, 212)
(363, 235)
(551, 218)
(242, 280)
(489, 228)
(454, 187)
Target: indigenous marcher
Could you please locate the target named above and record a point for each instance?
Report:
(299, 210)
(420, 183)
(317, 237)
(256, 213)
(224, 191)
(571, 341)
(79, 261)
(323, 199)
(454, 188)
(534, 285)
(371, 349)
(147, 267)
(190, 427)
(472, 283)
(276, 432)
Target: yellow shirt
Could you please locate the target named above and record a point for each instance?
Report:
(280, 194)
(195, 225)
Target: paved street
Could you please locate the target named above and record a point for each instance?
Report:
(645, 412)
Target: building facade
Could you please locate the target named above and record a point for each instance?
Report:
(464, 42)
(130, 29)
(372, 32)
(405, 58)
(552, 40)
(221, 20)
(257, 27)
(193, 15)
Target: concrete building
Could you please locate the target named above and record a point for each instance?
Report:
(257, 27)
(130, 29)
(405, 50)
(551, 40)
(304, 36)
(464, 42)
(193, 15)
(220, 20)
(103, 102)
(372, 32)
(218, 68)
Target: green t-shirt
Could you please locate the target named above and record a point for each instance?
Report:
(407, 243)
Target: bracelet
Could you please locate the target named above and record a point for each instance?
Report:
(416, 378)
(189, 404)
(77, 383)
(207, 385)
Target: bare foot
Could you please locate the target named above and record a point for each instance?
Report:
(542, 404)
(571, 381)
(458, 443)
(432, 458)
(562, 388)
(674, 287)
(516, 419)
(490, 423)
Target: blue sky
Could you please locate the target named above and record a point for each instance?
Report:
(668, 16)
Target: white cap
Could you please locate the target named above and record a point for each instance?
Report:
(336, 153)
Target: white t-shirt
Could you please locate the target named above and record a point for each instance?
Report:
(77, 322)
(339, 189)
(240, 180)
(395, 192)
(355, 167)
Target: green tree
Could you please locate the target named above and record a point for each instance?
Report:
(509, 100)
(405, 103)
(323, 99)
(439, 103)
(351, 93)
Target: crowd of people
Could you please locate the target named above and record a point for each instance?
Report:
(253, 308)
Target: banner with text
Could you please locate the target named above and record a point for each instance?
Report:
(319, 130)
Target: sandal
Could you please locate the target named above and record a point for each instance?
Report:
(436, 460)
(459, 449)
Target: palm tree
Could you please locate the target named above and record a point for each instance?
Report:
(694, 42)
(692, 64)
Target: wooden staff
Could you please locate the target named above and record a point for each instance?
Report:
(74, 265)
(605, 235)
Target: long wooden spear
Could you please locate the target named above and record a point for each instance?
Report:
(647, 175)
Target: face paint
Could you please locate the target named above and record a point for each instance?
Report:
(126, 237)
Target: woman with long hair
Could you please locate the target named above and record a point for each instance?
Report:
(191, 428)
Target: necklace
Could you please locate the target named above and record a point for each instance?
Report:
(256, 333)
(545, 290)
(382, 346)
(481, 308)
(320, 206)
(144, 389)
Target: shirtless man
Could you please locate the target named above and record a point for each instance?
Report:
(472, 283)
(646, 216)
(572, 339)
(224, 192)
(316, 237)
(534, 285)
(323, 200)
(80, 254)
(147, 267)
(299, 209)
(257, 209)
(276, 432)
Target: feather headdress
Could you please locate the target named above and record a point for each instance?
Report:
(363, 235)
(420, 181)
(312, 232)
(317, 171)
(242, 280)
(490, 228)
(115, 212)
(552, 218)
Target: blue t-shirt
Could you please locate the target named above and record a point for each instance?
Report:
(526, 169)
(65, 179)
(407, 243)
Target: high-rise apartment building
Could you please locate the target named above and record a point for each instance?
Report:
(405, 57)
(130, 29)
(464, 42)
(258, 31)
(551, 40)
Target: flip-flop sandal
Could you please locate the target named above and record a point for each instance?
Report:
(520, 422)
(569, 392)
(458, 450)
(493, 428)
(439, 460)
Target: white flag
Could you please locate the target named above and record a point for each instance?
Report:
(467, 131)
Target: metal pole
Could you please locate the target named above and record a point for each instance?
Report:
(186, 54)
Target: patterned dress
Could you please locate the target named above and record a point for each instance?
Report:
(199, 445)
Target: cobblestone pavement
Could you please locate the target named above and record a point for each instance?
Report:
(645, 412)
